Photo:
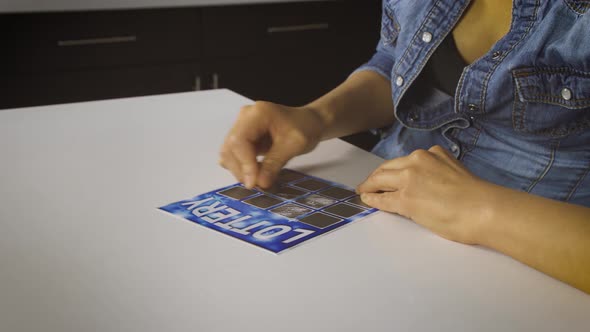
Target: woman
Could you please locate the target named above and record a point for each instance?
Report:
(484, 109)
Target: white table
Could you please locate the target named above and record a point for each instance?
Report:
(83, 248)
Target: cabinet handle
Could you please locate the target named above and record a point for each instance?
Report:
(215, 83)
(97, 41)
(302, 27)
(197, 86)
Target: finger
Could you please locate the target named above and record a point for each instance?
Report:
(224, 157)
(388, 201)
(441, 152)
(244, 140)
(387, 166)
(263, 145)
(276, 158)
(244, 153)
(416, 157)
(229, 162)
(446, 156)
(382, 181)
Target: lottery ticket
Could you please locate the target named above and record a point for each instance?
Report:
(297, 209)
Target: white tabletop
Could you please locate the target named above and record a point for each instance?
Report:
(15, 6)
(83, 247)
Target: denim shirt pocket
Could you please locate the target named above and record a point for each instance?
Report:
(578, 6)
(389, 25)
(551, 101)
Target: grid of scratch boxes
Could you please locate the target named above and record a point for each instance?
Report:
(298, 208)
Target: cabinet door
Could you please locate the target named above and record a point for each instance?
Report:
(53, 42)
(286, 80)
(289, 52)
(77, 86)
(296, 28)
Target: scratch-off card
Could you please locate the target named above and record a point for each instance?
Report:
(297, 209)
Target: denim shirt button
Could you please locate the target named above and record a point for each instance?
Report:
(566, 94)
(399, 81)
(454, 148)
(472, 107)
(496, 55)
(427, 37)
(413, 117)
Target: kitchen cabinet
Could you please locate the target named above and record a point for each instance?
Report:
(45, 88)
(288, 53)
(57, 42)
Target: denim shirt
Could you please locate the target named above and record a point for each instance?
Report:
(520, 116)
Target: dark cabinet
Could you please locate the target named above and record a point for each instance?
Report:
(46, 88)
(291, 28)
(290, 80)
(55, 42)
(286, 52)
(52, 58)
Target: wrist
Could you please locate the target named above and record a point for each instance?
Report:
(321, 116)
(308, 123)
(482, 214)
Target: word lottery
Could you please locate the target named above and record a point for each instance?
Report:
(298, 208)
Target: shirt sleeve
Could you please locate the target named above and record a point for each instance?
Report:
(381, 63)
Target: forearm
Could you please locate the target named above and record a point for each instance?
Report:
(550, 236)
(362, 102)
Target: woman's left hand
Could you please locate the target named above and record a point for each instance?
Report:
(433, 189)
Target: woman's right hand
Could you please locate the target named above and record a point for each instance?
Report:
(276, 132)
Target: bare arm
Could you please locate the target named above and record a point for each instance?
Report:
(361, 103)
(279, 133)
(550, 236)
(437, 191)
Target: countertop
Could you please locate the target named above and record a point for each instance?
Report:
(84, 248)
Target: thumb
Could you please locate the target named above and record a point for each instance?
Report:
(274, 161)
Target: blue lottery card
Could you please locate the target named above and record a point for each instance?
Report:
(297, 209)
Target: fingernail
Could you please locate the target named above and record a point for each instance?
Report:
(364, 197)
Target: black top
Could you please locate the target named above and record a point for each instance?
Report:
(445, 66)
